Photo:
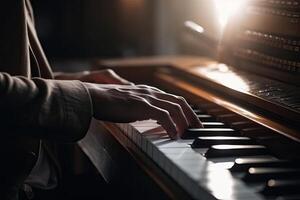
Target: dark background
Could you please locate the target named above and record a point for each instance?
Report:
(94, 28)
(82, 30)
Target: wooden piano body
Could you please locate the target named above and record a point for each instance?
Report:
(252, 90)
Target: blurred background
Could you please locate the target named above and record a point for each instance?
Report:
(82, 30)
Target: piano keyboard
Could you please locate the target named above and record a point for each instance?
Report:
(227, 159)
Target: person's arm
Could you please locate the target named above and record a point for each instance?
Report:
(62, 109)
(59, 110)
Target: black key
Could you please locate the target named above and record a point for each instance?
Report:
(289, 197)
(243, 164)
(206, 118)
(230, 118)
(203, 142)
(235, 151)
(281, 187)
(213, 124)
(258, 174)
(207, 105)
(256, 132)
(242, 125)
(193, 106)
(198, 111)
(217, 111)
(198, 132)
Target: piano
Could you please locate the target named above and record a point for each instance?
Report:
(248, 99)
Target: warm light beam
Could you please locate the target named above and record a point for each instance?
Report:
(226, 8)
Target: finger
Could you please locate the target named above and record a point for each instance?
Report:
(116, 78)
(149, 88)
(190, 115)
(144, 89)
(162, 116)
(125, 82)
(164, 119)
(174, 109)
(117, 81)
(188, 111)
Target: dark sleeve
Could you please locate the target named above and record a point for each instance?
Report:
(48, 109)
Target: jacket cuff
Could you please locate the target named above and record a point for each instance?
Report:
(77, 109)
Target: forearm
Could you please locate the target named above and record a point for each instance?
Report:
(44, 108)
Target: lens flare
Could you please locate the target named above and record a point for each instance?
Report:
(226, 8)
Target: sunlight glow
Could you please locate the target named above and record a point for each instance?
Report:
(221, 73)
(226, 8)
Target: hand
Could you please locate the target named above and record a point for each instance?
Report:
(106, 76)
(129, 103)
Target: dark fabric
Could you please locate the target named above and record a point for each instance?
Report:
(37, 194)
(32, 106)
(18, 156)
